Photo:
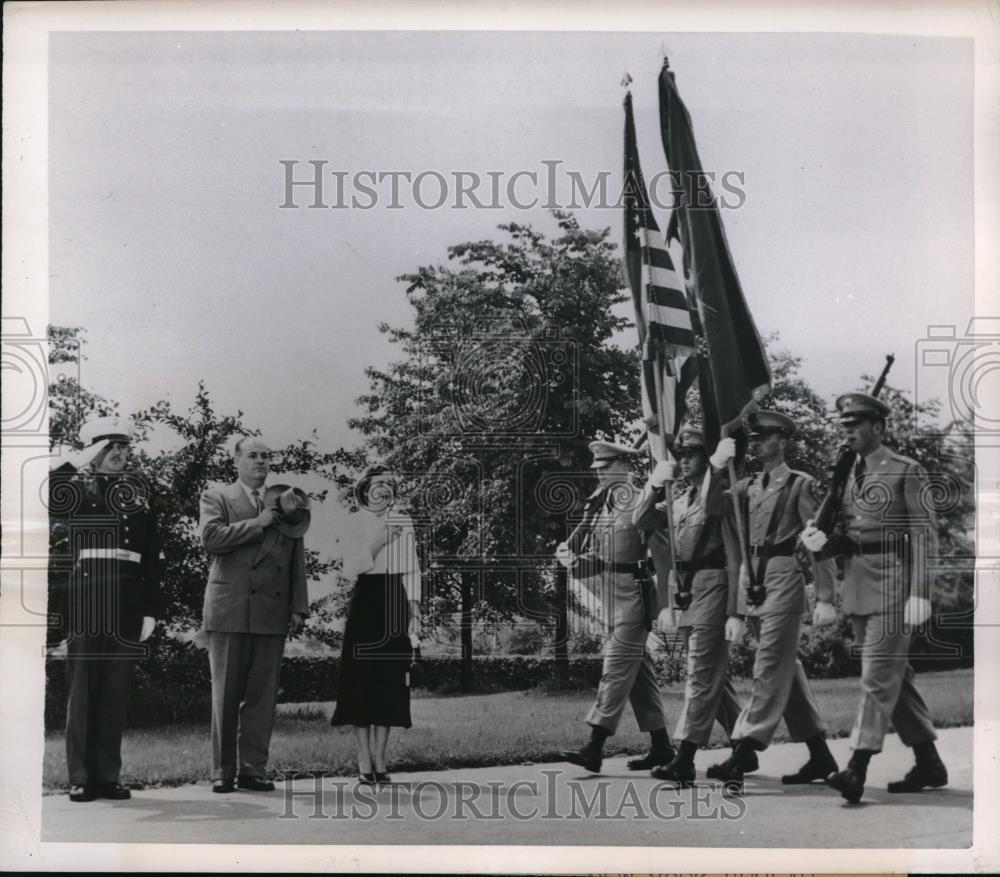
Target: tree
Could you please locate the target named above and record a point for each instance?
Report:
(507, 374)
(70, 404)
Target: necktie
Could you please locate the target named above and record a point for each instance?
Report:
(859, 474)
(692, 495)
(764, 481)
(256, 498)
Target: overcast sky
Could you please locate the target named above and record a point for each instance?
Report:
(169, 246)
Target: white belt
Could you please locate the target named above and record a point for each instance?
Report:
(109, 554)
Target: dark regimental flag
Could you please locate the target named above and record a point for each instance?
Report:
(739, 373)
(666, 335)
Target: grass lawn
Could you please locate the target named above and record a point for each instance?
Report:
(464, 731)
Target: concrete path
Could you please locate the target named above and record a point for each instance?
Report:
(549, 804)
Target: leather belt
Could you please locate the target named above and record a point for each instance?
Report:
(713, 560)
(852, 548)
(636, 567)
(109, 554)
(779, 549)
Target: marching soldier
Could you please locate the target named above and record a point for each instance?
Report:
(610, 549)
(885, 532)
(776, 504)
(104, 581)
(701, 593)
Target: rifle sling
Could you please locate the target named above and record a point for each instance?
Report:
(772, 527)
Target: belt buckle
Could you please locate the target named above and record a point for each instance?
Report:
(755, 550)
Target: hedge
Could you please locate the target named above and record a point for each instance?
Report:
(174, 685)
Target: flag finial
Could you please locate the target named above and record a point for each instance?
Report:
(626, 80)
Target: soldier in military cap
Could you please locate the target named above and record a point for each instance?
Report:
(775, 506)
(885, 533)
(610, 550)
(104, 580)
(701, 592)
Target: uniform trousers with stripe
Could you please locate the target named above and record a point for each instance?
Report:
(888, 692)
(780, 688)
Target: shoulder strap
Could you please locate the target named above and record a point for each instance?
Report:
(779, 510)
(699, 550)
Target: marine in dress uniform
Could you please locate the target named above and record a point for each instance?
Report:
(709, 693)
(776, 505)
(885, 532)
(256, 595)
(104, 579)
(613, 556)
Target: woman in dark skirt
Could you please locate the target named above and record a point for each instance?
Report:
(383, 623)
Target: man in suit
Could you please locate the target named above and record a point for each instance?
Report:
(256, 594)
(701, 593)
(775, 506)
(609, 550)
(885, 533)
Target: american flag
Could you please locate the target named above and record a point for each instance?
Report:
(662, 314)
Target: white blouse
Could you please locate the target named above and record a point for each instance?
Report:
(398, 555)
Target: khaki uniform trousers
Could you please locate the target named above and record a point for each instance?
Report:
(888, 692)
(780, 689)
(628, 674)
(708, 692)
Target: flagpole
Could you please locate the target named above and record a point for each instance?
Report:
(737, 511)
(668, 485)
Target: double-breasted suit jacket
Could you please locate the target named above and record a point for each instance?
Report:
(258, 576)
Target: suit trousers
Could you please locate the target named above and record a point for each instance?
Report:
(709, 692)
(780, 688)
(99, 669)
(245, 672)
(628, 675)
(888, 692)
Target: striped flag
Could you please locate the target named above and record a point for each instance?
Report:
(662, 315)
(739, 373)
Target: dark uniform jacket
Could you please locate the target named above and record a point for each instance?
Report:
(784, 581)
(893, 509)
(104, 565)
(258, 575)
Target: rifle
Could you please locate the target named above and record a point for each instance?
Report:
(826, 515)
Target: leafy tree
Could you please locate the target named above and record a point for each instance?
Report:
(507, 374)
(70, 404)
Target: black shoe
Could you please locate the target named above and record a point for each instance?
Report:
(654, 758)
(680, 773)
(367, 779)
(720, 770)
(849, 783)
(585, 756)
(82, 794)
(752, 764)
(254, 783)
(921, 776)
(224, 786)
(382, 776)
(112, 791)
(814, 769)
(731, 774)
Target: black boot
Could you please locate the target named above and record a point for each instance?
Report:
(929, 771)
(660, 752)
(680, 771)
(850, 782)
(820, 765)
(731, 770)
(590, 754)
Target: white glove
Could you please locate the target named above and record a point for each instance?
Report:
(734, 629)
(813, 538)
(662, 473)
(666, 620)
(564, 555)
(148, 626)
(724, 452)
(918, 610)
(824, 613)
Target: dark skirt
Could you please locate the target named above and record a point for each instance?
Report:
(373, 688)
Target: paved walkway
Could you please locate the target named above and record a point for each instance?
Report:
(549, 804)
